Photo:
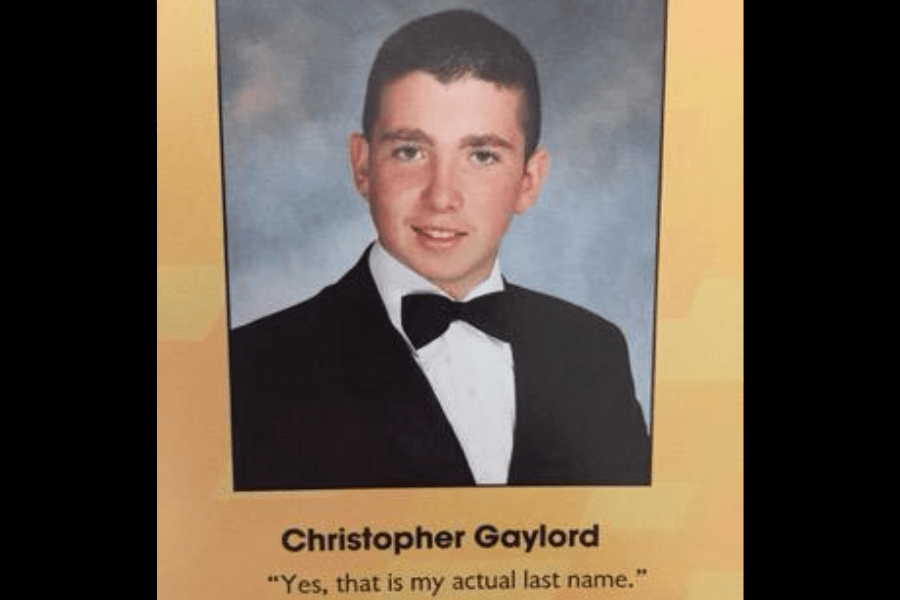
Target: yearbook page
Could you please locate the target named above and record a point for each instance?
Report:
(450, 299)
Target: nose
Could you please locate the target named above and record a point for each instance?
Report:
(441, 192)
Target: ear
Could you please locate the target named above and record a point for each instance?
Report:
(359, 163)
(536, 169)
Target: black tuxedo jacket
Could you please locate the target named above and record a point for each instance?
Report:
(326, 394)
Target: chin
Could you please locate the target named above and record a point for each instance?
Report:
(454, 282)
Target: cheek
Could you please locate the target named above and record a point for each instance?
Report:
(396, 184)
(391, 200)
(497, 199)
(386, 215)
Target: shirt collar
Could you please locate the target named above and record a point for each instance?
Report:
(395, 280)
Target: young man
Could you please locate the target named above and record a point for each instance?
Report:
(422, 366)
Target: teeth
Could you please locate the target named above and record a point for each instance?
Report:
(437, 234)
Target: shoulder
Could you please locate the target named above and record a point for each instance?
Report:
(290, 321)
(313, 337)
(306, 320)
(268, 354)
(549, 316)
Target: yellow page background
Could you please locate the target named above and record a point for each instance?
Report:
(686, 529)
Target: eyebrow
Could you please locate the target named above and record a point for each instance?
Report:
(405, 135)
(488, 139)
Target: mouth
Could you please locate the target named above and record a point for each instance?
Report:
(439, 234)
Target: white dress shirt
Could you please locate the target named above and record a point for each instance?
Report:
(470, 372)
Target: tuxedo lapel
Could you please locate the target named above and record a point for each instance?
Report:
(380, 368)
(542, 425)
(531, 422)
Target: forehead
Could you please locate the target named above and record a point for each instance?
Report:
(467, 106)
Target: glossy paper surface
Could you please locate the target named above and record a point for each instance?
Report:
(685, 530)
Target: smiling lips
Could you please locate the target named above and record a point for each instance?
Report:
(439, 234)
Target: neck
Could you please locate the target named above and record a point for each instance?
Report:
(457, 292)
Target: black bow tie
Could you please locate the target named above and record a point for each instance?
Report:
(427, 316)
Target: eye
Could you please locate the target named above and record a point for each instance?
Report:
(407, 152)
(484, 157)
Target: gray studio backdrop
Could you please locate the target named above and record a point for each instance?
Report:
(293, 76)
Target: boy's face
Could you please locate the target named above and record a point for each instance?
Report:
(444, 174)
